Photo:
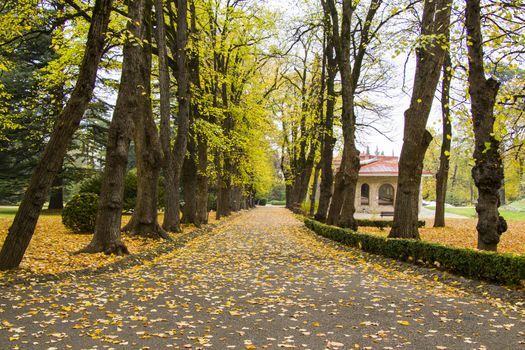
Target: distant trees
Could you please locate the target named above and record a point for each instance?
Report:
(225, 118)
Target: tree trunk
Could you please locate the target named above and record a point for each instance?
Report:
(313, 194)
(202, 183)
(488, 169)
(171, 202)
(343, 207)
(444, 158)
(172, 217)
(56, 199)
(144, 220)
(435, 22)
(21, 231)
(129, 103)
(189, 182)
(202, 143)
(327, 176)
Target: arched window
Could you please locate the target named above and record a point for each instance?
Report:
(386, 194)
(365, 194)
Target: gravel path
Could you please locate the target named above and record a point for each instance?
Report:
(261, 281)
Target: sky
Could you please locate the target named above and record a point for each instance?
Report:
(399, 100)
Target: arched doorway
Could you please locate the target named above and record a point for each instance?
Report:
(365, 194)
(386, 194)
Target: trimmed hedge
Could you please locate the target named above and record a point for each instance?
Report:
(382, 223)
(489, 266)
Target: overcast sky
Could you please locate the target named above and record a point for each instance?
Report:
(399, 101)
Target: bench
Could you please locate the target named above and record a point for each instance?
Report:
(387, 213)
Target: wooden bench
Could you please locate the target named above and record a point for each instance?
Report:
(387, 213)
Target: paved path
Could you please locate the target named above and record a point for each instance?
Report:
(262, 281)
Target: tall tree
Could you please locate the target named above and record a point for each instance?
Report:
(172, 217)
(327, 176)
(144, 220)
(171, 190)
(129, 103)
(444, 157)
(21, 231)
(429, 61)
(488, 169)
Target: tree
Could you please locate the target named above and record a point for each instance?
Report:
(130, 101)
(488, 169)
(444, 158)
(23, 226)
(328, 138)
(429, 60)
(147, 143)
(172, 214)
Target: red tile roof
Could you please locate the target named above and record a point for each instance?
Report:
(377, 165)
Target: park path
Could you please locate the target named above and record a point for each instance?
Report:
(261, 281)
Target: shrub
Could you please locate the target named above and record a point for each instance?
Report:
(262, 201)
(277, 202)
(490, 266)
(94, 183)
(382, 223)
(80, 213)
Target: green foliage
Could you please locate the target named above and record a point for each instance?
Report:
(277, 202)
(94, 183)
(212, 201)
(382, 223)
(80, 213)
(262, 201)
(494, 267)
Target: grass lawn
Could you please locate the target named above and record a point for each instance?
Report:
(7, 211)
(470, 212)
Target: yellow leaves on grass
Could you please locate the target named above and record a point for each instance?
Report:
(50, 249)
(462, 233)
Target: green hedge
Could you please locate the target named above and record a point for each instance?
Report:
(382, 223)
(490, 266)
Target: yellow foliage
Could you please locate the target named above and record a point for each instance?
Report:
(50, 250)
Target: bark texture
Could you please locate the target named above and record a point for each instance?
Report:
(56, 199)
(147, 143)
(23, 227)
(444, 158)
(172, 217)
(201, 216)
(171, 203)
(327, 148)
(416, 139)
(488, 169)
(201, 199)
(189, 182)
(121, 131)
(347, 174)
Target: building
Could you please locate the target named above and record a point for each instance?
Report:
(377, 184)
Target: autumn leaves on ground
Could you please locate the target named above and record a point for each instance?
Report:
(52, 247)
(259, 281)
(50, 251)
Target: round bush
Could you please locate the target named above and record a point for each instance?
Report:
(80, 213)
